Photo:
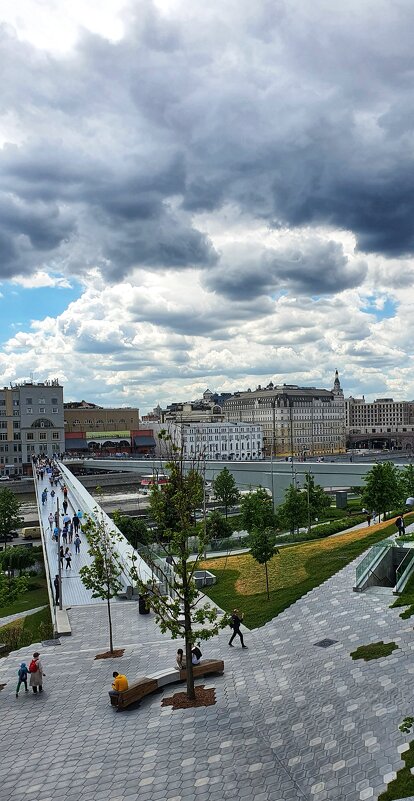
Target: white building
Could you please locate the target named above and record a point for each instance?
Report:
(233, 441)
(31, 422)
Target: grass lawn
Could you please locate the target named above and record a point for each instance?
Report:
(406, 599)
(375, 650)
(27, 630)
(403, 785)
(293, 572)
(35, 596)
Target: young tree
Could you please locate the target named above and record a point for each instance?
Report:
(317, 500)
(103, 575)
(133, 528)
(257, 510)
(293, 512)
(225, 489)
(178, 609)
(12, 588)
(9, 513)
(218, 528)
(262, 549)
(382, 488)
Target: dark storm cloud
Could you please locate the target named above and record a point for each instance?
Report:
(316, 268)
(294, 115)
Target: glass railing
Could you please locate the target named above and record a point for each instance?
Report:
(404, 566)
(370, 558)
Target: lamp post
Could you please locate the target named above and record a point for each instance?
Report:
(59, 561)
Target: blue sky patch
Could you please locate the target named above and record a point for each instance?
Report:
(18, 305)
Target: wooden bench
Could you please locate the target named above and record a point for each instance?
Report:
(150, 684)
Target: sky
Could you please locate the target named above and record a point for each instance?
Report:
(204, 195)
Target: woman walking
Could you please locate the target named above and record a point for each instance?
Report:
(68, 557)
(36, 673)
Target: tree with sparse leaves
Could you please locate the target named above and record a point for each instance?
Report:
(225, 489)
(382, 489)
(103, 575)
(176, 604)
(262, 549)
(10, 518)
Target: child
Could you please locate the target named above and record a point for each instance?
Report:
(22, 675)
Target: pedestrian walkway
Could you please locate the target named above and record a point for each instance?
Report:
(11, 618)
(293, 721)
(74, 592)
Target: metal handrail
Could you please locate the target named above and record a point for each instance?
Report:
(370, 557)
(399, 572)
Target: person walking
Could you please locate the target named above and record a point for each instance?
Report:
(75, 521)
(70, 533)
(369, 518)
(57, 588)
(22, 678)
(65, 535)
(36, 673)
(68, 557)
(236, 621)
(61, 555)
(65, 491)
(400, 525)
(77, 542)
(51, 520)
(65, 506)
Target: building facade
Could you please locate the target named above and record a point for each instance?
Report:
(31, 423)
(204, 411)
(296, 421)
(383, 423)
(214, 441)
(92, 428)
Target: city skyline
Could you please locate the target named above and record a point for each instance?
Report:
(206, 197)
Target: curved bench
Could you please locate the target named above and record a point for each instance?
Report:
(156, 681)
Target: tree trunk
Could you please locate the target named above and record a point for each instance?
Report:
(267, 582)
(188, 637)
(111, 643)
(225, 509)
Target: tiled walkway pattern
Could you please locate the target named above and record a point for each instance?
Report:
(292, 720)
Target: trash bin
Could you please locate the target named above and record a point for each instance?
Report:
(143, 608)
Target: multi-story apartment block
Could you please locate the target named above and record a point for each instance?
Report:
(380, 423)
(233, 441)
(31, 422)
(300, 421)
(192, 412)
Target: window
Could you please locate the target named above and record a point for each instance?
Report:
(16, 436)
(42, 410)
(54, 401)
(55, 409)
(42, 436)
(41, 401)
(29, 436)
(29, 401)
(15, 403)
(3, 436)
(3, 424)
(29, 410)
(55, 435)
(16, 424)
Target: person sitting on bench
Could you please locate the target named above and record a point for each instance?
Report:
(119, 684)
(180, 661)
(196, 654)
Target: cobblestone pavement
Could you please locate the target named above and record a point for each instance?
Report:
(292, 720)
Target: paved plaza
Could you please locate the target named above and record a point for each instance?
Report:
(292, 720)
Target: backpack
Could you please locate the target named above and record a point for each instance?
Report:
(398, 522)
(33, 667)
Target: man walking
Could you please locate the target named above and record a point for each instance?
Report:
(236, 621)
(77, 543)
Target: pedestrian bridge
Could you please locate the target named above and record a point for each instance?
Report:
(74, 593)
